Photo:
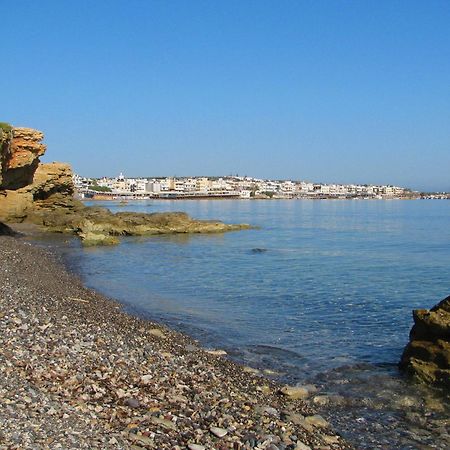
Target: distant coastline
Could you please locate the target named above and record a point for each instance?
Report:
(235, 187)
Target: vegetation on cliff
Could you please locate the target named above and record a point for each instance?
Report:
(6, 127)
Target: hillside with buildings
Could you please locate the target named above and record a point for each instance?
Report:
(230, 187)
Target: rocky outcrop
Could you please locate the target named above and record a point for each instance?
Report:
(25, 184)
(99, 226)
(43, 194)
(51, 187)
(427, 356)
(21, 149)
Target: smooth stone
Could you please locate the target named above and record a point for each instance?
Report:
(146, 378)
(163, 422)
(331, 439)
(269, 410)
(316, 421)
(321, 400)
(157, 332)
(336, 400)
(191, 348)
(196, 447)
(296, 418)
(271, 372)
(251, 370)
(295, 393)
(178, 399)
(216, 352)
(219, 432)
(144, 440)
(132, 402)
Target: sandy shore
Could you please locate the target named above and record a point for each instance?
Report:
(77, 372)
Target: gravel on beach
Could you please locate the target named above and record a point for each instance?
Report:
(77, 372)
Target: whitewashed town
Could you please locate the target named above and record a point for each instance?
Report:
(243, 187)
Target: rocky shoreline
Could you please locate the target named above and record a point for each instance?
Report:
(77, 372)
(43, 194)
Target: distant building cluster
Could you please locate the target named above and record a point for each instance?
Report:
(229, 187)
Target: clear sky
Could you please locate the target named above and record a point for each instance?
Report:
(331, 91)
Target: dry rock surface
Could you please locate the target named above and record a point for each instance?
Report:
(427, 356)
(77, 372)
(25, 183)
(20, 151)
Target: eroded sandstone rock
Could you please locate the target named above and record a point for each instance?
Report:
(25, 183)
(21, 152)
(50, 188)
(427, 356)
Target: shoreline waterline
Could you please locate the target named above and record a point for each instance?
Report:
(85, 355)
(352, 397)
(327, 299)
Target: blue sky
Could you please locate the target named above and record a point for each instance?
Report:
(332, 91)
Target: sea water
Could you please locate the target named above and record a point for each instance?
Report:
(321, 292)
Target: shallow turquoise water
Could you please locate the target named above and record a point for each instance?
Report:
(336, 280)
(322, 292)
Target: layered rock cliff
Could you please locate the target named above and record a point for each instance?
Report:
(27, 185)
(21, 150)
(427, 356)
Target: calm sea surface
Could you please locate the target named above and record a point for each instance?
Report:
(322, 293)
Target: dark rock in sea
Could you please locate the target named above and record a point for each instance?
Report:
(259, 250)
(427, 356)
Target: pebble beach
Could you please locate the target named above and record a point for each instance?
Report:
(78, 372)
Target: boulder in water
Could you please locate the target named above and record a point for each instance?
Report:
(427, 355)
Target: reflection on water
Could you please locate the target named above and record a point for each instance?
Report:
(322, 293)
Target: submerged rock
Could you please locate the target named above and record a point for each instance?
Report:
(316, 421)
(298, 392)
(427, 356)
(90, 239)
